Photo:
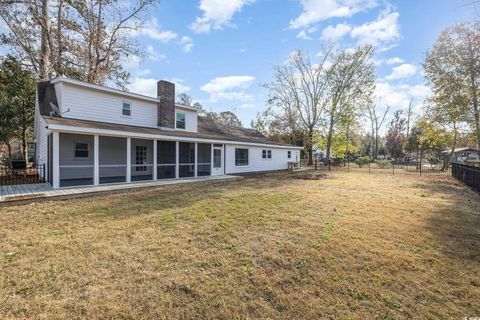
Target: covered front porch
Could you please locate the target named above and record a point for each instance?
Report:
(92, 160)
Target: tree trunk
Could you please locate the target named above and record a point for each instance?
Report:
(45, 50)
(9, 147)
(447, 161)
(329, 138)
(310, 147)
(477, 119)
(24, 144)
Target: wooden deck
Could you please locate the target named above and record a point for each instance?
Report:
(31, 192)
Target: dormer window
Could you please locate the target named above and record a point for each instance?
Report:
(180, 120)
(126, 109)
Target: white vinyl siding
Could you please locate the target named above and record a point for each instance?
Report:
(88, 104)
(256, 163)
(190, 119)
(42, 142)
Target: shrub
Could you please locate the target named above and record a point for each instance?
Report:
(434, 161)
(382, 164)
(362, 161)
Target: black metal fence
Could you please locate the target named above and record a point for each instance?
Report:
(11, 176)
(469, 175)
(392, 168)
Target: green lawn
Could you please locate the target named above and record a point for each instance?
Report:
(351, 246)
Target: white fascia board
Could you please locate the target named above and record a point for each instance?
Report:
(138, 135)
(102, 88)
(182, 106)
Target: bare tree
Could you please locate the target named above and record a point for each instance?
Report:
(377, 119)
(300, 88)
(83, 39)
(351, 84)
(409, 116)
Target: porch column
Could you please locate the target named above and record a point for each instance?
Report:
(129, 159)
(196, 159)
(211, 160)
(96, 157)
(155, 159)
(56, 160)
(177, 159)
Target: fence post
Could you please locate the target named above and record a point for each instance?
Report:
(393, 167)
(315, 164)
(369, 166)
(328, 164)
(348, 165)
(420, 168)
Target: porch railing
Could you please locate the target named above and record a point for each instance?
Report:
(11, 176)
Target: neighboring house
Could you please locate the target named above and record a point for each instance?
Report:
(461, 155)
(87, 134)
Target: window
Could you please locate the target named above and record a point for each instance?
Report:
(241, 157)
(289, 154)
(140, 157)
(266, 154)
(180, 123)
(126, 109)
(81, 150)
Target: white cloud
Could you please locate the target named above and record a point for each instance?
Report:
(334, 33)
(389, 61)
(144, 72)
(384, 30)
(247, 106)
(153, 54)
(180, 87)
(395, 60)
(148, 86)
(228, 88)
(145, 86)
(303, 35)
(315, 11)
(187, 43)
(217, 14)
(131, 62)
(402, 71)
(399, 96)
(152, 30)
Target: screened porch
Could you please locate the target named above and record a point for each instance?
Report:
(94, 159)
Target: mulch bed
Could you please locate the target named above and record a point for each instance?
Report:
(312, 176)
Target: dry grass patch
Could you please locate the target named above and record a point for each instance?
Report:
(351, 246)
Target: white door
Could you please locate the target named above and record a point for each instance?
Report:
(217, 169)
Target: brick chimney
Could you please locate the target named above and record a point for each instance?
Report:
(166, 106)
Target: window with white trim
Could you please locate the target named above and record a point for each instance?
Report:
(180, 120)
(266, 154)
(241, 157)
(126, 109)
(81, 150)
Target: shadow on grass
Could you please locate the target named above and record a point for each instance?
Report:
(146, 201)
(457, 226)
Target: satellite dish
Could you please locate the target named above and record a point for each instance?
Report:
(57, 110)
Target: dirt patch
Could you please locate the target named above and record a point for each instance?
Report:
(312, 176)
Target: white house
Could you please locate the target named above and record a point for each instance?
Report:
(87, 134)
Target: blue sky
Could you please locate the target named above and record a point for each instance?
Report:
(220, 52)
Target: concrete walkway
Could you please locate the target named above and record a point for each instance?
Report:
(30, 192)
